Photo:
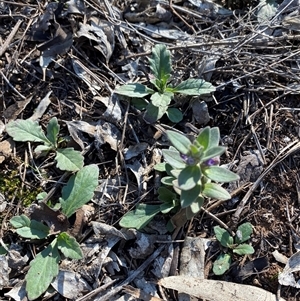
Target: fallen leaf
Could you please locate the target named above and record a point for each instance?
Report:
(215, 290)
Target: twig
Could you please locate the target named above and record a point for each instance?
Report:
(292, 147)
(10, 37)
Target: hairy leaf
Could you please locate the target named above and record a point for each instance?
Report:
(139, 217)
(243, 249)
(69, 246)
(189, 177)
(214, 137)
(223, 237)
(194, 87)
(134, 90)
(173, 158)
(179, 141)
(220, 174)
(52, 131)
(196, 206)
(222, 264)
(42, 271)
(174, 115)
(243, 233)
(160, 64)
(69, 159)
(213, 152)
(168, 180)
(215, 191)
(154, 113)
(29, 228)
(187, 197)
(204, 138)
(26, 130)
(166, 195)
(161, 99)
(79, 189)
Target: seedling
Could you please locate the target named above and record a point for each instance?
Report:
(163, 92)
(222, 263)
(45, 266)
(191, 168)
(28, 130)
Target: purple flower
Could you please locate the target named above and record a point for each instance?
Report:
(212, 161)
(188, 159)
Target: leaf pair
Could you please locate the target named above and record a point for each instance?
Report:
(28, 130)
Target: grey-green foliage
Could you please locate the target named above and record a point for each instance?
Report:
(28, 130)
(163, 92)
(45, 266)
(236, 244)
(192, 168)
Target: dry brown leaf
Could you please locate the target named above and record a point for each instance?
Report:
(214, 290)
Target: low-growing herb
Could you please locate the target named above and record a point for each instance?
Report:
(163, 92)
(28, 130)
(192, 172)
(45, 266)
(243, 233)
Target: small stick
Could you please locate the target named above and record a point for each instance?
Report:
(10, 37)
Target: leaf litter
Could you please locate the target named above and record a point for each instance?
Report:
(78, 54)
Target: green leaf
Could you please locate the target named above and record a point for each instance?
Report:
(167, 207)
(223, 237)
(69, 159)
(26, 130)
(160, 166)
(29, 228)
(79, 189)
(43, 148)
(174, 115)
(215, 191)
(161, 99)
(196, 206)
(222, 264)
(243, 233)
(220, 174)
(3, 251)
(243, 249)
(213, 152)
(204, 138)
(173, 158)
(134, 90)
(140, 217)
(69, 246)
(166, 195)
(189, 177)
(168, 180)
(52, 131)
(194, 87)
(179, 141)
(154, 113)
(42, 271)
(160, 64)
(187, 197)
(139, 103)
(214, 137)
(20, 221)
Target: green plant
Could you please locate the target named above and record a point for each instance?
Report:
(191, 168)
(45, 266)
(29, 130)
(222, 263)
(163, 92)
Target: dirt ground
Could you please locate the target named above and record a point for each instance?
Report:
(253, 63)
